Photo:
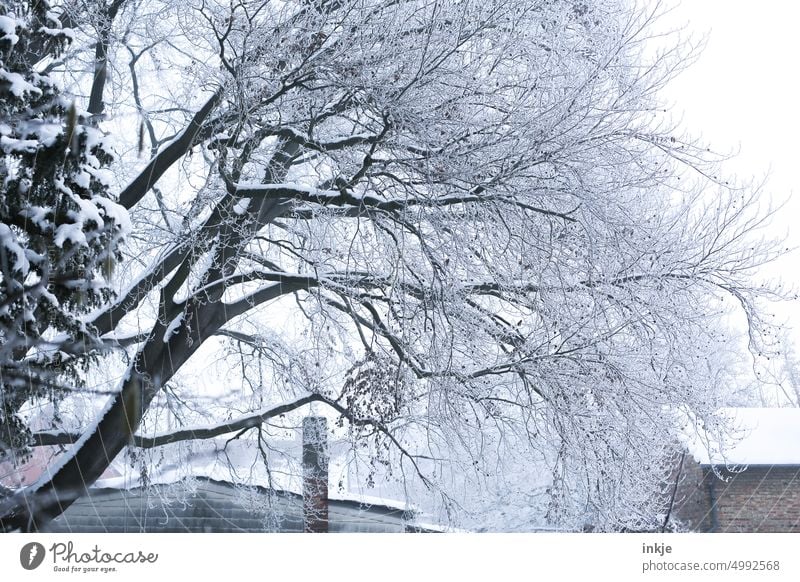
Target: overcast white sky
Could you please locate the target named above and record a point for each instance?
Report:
(742, 95)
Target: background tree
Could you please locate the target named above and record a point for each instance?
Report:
(464, 227)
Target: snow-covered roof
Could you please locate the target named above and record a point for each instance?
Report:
(226, 461)
(126, 483)
(763, 436)
(200, 505)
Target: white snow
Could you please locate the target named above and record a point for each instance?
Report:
(9, 145)
(48, 133)
(769, 436)
(115, 212)
(50, 297)
(102, 175)
(61, 187)
(173, 327)
(68, 32)
(8, 26)
(241, 206)
(38, 215)
(9, 241)
(33, 256)
(70, 232)
(245, 188)
(94, 138)
(83, 179)
(52, 16)
(88, 211)
(19, 86)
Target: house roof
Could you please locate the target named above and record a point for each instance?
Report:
(124, 499)
(762, 436)
(202, 504)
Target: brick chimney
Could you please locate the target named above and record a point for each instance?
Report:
(315, 474)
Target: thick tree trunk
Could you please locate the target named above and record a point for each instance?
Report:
(31, 508)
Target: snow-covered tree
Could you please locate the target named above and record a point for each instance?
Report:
(59, 228)
(464, 227)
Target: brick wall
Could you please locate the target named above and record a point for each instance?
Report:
(759, 499)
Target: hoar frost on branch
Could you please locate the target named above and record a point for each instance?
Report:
(472, 232)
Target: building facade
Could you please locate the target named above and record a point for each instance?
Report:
(753, 487)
